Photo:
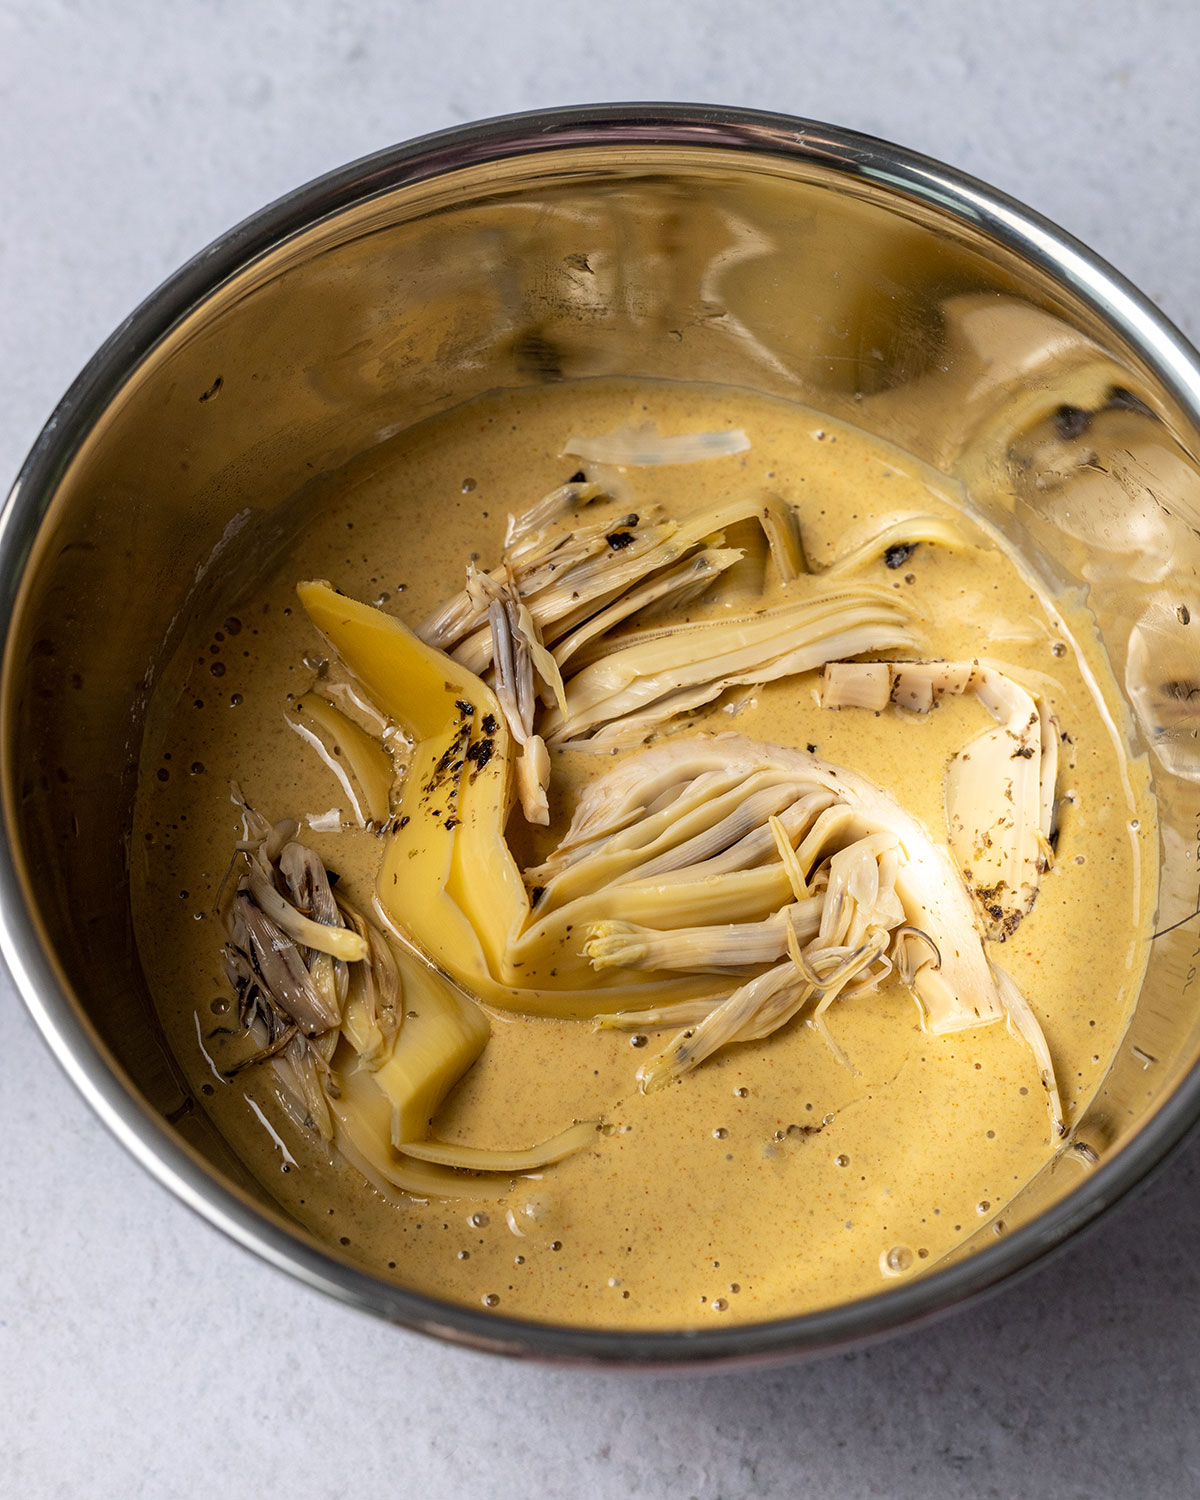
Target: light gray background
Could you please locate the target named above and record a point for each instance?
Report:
(143, 1355)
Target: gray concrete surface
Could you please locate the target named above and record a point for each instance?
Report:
(143, 1355)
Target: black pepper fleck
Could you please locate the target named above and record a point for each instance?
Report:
(897, 556)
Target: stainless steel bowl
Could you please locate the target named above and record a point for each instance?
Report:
(657, 240)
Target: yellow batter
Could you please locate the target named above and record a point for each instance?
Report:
(774, 1179)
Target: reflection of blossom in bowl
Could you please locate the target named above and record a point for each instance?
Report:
(1162, 680)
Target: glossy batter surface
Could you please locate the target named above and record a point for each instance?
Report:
(774, 1179)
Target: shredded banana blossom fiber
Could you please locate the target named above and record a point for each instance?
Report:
(365, 1039)
(1000, 788)
(800, 880)
(567, 617)
(709, 883)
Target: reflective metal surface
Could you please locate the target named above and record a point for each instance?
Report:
(664, 241)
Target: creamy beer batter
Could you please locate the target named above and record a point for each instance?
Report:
(778, 1176)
